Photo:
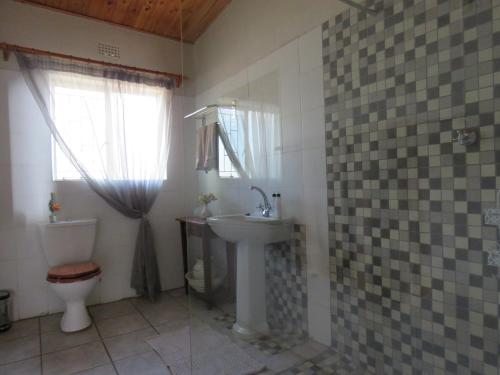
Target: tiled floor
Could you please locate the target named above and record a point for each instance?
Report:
(115, 344)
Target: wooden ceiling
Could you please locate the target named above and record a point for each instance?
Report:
(161, 17)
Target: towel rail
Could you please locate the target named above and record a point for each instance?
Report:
(360, 7)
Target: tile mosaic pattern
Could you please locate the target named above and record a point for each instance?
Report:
(286, 284)
(411, 291)
(277, 342)
(330, 362)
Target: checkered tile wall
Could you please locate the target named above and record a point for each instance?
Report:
(411, 290)
(286, 284)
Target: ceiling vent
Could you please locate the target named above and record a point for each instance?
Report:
(109, 50)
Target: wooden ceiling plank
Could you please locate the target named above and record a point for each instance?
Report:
(167, 22)
(161, 17)
(148, 14)
(202, 18)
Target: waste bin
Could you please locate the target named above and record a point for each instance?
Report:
(5, 323)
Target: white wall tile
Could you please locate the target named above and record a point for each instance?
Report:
(33, 289)
(319, 290)
(310, 50)
(311, 89)
(8, 281)
(313, 128)
(292, 175)
(314, 168)
(8, 249)
(289, 78)
(320, 324)
(291, 132)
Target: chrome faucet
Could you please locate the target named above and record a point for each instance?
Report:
(266, 207)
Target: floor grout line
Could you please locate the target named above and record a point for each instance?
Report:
(104, 345)
(158, 333)
(145, 318)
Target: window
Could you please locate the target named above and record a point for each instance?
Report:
(230, 123)
(112, 127)
(254, 133)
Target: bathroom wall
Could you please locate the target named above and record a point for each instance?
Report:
(248, 31)
(411, 288)
(25, 164)
(291, 78)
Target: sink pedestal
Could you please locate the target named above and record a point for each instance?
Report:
(251, 234)
(251, 315)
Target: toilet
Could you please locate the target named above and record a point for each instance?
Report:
(68, 247)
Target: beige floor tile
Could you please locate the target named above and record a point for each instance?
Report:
(101, 370)
(55, 341)
(19, 349)
(282, 361)
(179, 292)
(309, 349)
(30, 366)
(77, 359)
(112, 310)
(164, 313)
(130, 344)
(21, 328)
(173, 325)
(142, 364)
(50, 322)
(142, 303)
(121, 325)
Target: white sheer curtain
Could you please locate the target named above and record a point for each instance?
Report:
(253, 131)
(117, 130)
(114, 127)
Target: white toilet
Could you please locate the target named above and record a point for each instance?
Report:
(68, 246)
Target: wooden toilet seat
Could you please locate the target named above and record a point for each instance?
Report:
(70, 273)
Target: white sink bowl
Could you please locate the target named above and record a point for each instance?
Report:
(254, 229)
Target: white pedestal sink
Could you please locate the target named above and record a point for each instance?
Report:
(251, 234)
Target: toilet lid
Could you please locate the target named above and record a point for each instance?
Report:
(73, 272)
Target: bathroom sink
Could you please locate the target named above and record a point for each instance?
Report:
(255, 229)
(251, 234)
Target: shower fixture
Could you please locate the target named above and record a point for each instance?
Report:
(465, 136)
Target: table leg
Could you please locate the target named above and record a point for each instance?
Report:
(207, 265)
(184, 254)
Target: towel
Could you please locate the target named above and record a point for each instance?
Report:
(200, 148)
(207, 140)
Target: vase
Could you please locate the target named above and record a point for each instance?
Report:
(205, 212)
(52, 218)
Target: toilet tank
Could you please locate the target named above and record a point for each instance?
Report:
(69, 241)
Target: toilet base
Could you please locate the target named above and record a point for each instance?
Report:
(76, 317)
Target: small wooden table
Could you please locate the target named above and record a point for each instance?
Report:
(198, 227)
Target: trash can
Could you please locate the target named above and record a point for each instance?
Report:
(5, 323)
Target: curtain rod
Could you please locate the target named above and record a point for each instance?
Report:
(8, 48)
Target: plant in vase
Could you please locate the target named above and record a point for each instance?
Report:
(205, 200)
(54, 207)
